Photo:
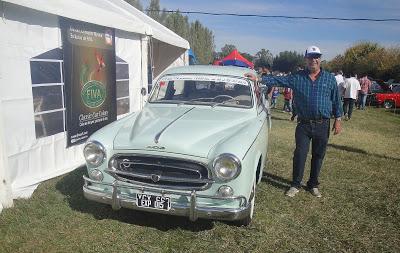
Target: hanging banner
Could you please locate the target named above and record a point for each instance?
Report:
(90, 82)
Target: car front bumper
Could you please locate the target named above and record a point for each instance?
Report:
(191, 210)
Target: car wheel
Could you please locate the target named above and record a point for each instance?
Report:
(388, 104)
(247, 220)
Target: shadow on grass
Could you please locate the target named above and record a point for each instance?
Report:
(275, 181)
(71, 187)
(361, 151)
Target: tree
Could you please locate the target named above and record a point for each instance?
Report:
(288, 61)
(263, 57)
(135, 3)
(154, 12)
(201, 40)
(335, 64)
(357, 58)
(179, 24)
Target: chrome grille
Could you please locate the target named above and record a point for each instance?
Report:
(162, 171)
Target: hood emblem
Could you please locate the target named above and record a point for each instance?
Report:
(156, 147)
(155, 178)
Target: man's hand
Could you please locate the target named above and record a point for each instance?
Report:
(251, 76)
(337, 127)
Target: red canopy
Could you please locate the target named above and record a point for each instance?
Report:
(235, 59)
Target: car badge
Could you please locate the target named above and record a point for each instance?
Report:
(125, 164)
(155, 178)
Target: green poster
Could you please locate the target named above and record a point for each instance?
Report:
(89, 74)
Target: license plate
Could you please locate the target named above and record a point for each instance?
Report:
(153, 201)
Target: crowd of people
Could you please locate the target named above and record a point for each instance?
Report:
(352, 91)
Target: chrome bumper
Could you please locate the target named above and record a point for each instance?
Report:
(118, 200)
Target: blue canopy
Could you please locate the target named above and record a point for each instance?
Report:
(192, 57)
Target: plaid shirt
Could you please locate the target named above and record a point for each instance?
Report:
(317, 99)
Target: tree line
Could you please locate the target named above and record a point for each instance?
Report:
(364, 58)
(368, 58)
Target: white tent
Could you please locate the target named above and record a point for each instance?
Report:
(32, 133)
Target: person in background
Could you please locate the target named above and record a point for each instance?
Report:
(287, 94)
(351, 86)
(316, 99)
(340, 83)
(365, 84)
(274, 96)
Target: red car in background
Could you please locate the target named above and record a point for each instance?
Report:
(389, 99)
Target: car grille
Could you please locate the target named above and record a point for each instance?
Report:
(162, 171)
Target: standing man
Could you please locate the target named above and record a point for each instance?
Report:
(340, 83)
(316, 99)
(365, 84)
(352, 86)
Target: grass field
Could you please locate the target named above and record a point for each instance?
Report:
(359, 210)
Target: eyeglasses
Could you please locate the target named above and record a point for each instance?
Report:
(313, 56)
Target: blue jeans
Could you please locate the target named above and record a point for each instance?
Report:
(273, 102)
(348, 106)
(287, 107)
(363, 101)
(318, 134)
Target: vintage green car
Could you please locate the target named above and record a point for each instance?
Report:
(197, 149)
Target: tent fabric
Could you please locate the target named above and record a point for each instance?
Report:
(102, 12)
(110, 13)
(234, 59)
(31, 33)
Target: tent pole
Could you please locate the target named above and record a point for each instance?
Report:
(6, 199)
(144, 44)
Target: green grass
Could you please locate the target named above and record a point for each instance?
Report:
(359, 211)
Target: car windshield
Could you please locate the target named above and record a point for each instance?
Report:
(212, 90)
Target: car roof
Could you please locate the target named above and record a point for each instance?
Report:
(210, 69)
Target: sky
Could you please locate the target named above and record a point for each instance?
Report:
(250, 34)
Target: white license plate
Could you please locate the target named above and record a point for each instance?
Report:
(153, 201)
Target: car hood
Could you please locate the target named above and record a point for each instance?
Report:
(181, 129)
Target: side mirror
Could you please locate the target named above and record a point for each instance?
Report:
(143, 91)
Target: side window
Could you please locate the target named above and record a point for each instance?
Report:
(48, 93)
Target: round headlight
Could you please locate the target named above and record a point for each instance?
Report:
(96, 175)
(94, 153)
(225, 191)
(226, 167)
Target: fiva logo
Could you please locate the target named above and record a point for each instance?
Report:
(93, 94)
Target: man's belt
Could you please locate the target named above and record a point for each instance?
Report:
(309, 121)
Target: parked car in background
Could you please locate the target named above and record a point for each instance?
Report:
(389, 99)
(373, 90)
(197, 149)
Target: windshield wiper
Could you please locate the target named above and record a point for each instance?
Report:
(195, 101)
(226, 101)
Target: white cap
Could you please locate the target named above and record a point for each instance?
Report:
(313, 50)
